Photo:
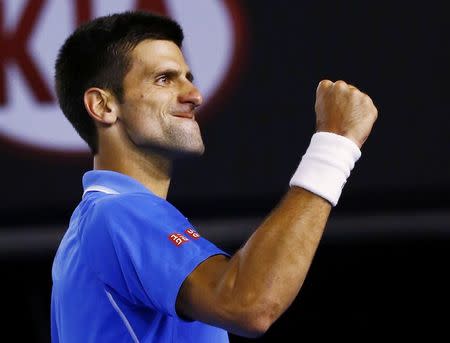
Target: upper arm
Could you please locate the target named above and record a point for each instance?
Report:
(208, 295)
(197, 298)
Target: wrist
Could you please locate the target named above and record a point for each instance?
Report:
(326, 165)
(354, 138)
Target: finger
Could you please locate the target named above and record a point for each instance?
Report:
(341, 85)
(324, 84)
(353, 87)
(344, 86)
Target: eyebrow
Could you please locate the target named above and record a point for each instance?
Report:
(175, 73)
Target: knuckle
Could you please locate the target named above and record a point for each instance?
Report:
(355, 93)
(341, 84)
(368, 101)
(373, 114)
(324, 84)
(368, 97)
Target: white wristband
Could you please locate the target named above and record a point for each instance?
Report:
(326, 165)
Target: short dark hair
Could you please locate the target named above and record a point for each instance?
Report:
(97, 54)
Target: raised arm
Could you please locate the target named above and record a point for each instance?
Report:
(246, 293)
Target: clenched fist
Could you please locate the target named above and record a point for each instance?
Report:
(345, 110)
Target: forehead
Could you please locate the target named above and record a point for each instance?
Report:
(157, 54)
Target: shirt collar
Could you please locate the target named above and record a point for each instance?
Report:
(111, 182)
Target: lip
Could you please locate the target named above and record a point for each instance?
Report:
(187, 115)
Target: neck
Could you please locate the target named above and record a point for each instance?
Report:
(149, 168)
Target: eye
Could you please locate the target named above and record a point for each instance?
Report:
(162, 80)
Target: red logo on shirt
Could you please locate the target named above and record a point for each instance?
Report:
(191, 232)
(178, 239)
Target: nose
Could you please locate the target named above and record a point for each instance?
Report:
(191, 95)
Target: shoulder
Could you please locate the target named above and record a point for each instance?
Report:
(130, 212)
(125, 201)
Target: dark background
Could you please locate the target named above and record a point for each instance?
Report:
(381, 268)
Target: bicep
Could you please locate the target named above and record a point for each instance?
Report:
(209, 294)
(201, 296)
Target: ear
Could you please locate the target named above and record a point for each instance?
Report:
(101, 105)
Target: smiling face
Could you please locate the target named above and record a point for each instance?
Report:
(159, 99)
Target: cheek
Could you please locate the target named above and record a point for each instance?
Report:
(150, 105)
(162, 100)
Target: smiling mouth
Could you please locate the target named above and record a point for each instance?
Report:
(186, 115)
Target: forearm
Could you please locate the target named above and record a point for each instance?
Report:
(266, 274)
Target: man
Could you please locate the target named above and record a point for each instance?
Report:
(131, 268)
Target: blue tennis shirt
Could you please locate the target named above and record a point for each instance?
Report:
(120, 265)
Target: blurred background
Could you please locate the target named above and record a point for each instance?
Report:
(381, 268)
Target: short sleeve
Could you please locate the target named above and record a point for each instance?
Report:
(143, 248)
